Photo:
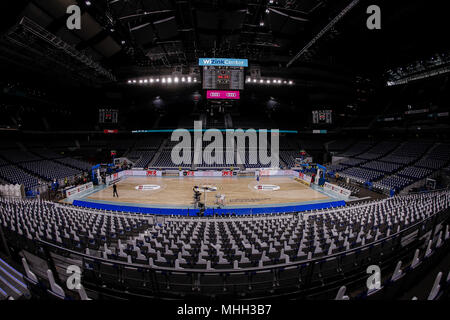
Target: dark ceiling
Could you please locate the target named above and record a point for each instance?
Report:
(128, 38)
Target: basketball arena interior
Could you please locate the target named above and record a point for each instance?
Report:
(209, 151)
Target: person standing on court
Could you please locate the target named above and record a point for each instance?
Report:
(115, 194)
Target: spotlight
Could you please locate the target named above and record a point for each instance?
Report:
(261, 23)
(261, 81)
(268, 81)
(249, 79)
(129, 81)
(183, 79)
(279, 81)
(254, 80)
(134, 81)
(175, 79)
(157, 79)
(88, 3)
(145, 81)
(163, 80)
(195, 79)
(140, 81)
(151, 80)
(290, 82)
(169, 80)
(189, 79)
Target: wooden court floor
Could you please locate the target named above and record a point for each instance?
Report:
(238, 191)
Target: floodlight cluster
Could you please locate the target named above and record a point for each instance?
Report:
(267, 81)
(163, 80)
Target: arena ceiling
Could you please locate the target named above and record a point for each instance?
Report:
(132, 37)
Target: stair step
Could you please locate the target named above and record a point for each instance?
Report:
(9, 288)
(3, 295)
(11, 270)
(17, 283)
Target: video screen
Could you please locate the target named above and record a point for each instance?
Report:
(108, 116)
(223, 78)
(322, 117)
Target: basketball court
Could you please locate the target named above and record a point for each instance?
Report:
(238, 191)
(177, 193)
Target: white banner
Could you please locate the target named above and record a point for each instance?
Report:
(206, 173)
(143, 173)
(337, 190)
(132, 173)
(114, 177)
(78, 189)
(303, 177)
(271, 172)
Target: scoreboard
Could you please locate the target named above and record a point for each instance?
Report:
(322, 117)
(108, 116)
(223, 78)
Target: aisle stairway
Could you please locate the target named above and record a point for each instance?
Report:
(158, 153)
(12, 285)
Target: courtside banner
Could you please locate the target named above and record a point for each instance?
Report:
(227, 173)
(76, 190)
(223, 62)
(337, 190)
(305, 178)
(115, 177)
(206, 173)
(143, 173)
(222, 94)
(271, 172)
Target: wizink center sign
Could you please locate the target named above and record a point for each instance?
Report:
(222, 62)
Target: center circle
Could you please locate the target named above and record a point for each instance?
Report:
(144, 187)
(266, 187)
(206, 188)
